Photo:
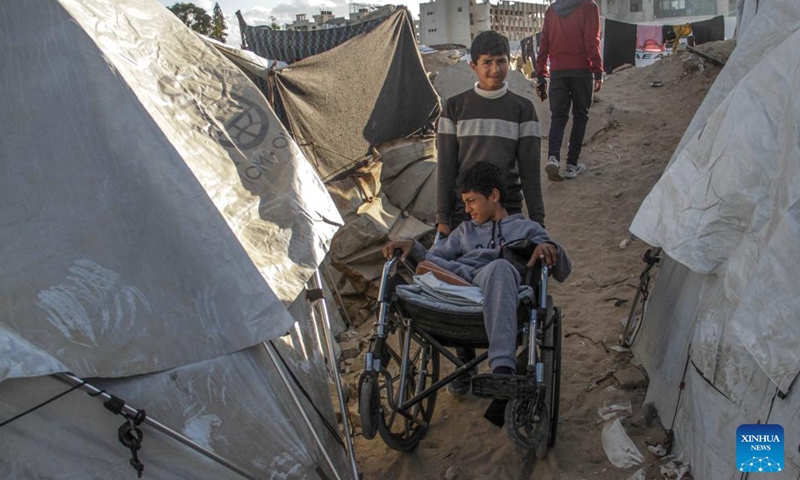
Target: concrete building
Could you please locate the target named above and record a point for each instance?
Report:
(634, 11)
(458, 21)
(359, 12)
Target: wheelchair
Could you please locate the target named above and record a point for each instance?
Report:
(397, 389)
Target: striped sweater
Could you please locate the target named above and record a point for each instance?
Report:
(503, 131)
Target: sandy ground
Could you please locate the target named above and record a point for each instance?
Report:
(638, 127)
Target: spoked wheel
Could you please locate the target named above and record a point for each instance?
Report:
(634, 317)
(528, 425)
(403, 430)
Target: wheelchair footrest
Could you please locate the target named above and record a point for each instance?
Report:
(504, 387)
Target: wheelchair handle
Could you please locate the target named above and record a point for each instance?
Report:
(543, 286)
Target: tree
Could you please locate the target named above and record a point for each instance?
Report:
(218, 25)
(193, 17)
(274, 25)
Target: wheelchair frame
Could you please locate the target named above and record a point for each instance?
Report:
(398, 387)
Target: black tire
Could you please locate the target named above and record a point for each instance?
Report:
(527, 425)
(554, 394)
(369, 402)
(398, 431)
(634, 317)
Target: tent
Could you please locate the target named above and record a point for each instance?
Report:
(343, 102)
(719, 335)
(159, 228)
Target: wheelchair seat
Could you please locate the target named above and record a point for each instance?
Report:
(453, 324)
(417, 324)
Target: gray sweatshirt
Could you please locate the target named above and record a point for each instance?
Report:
(472, 246)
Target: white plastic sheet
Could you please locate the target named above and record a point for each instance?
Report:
(154, 211)
(729, 203)
(619, 448)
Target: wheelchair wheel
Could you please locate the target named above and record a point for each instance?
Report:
(403, 430)
(368, 405)
(527, 424)
(552, 372)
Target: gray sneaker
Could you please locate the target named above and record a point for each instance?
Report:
(551, 169)
(574, 170)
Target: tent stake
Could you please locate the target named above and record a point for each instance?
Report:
(326, 326)
(103, 396)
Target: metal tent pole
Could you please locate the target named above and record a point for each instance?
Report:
(102, 395)
(285, 377)
(326, 324)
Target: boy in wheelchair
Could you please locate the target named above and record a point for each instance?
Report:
(474, 253)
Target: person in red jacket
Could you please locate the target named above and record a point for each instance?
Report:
(571, 42)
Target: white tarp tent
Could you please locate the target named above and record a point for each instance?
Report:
(158, 229)
(720, 333)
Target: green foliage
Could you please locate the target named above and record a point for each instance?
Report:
(193, 17)
(218, 25)
(275, 26)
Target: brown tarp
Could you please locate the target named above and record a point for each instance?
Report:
(368, 90)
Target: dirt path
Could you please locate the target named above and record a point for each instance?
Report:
(590, 216)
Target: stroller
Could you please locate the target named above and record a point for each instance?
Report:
(398, 387)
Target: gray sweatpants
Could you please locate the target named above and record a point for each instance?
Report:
(499, 282)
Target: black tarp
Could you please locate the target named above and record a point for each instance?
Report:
(370, 89)
(710, 30)
(619, 45)
(293, 46)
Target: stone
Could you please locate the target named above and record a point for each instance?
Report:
(630, 378)
(450, 474)
(350, 349)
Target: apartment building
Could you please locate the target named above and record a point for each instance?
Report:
(458, 21)
(634, 11)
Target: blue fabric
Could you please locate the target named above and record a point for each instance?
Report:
(292, 46)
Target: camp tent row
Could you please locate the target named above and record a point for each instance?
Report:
(159, 227)
(720, 333)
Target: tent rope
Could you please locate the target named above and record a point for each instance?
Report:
(37, 407)
(334, 431)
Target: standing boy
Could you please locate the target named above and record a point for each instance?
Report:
(487, 123)
(492, 124)
(571, 41)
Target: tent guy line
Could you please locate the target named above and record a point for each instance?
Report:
(93, 391)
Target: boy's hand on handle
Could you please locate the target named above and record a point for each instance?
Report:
(598, 84)
(404, 245)
(546, 252)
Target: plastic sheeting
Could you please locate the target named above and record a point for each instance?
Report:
(729, 203)
(155, 213)
(156, 218)
(235, 405)
(371, 89)
(718, 334)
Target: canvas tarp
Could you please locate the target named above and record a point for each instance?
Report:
(719, 331)
(158, 224)
(368, 90)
